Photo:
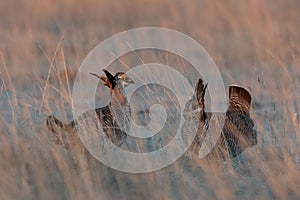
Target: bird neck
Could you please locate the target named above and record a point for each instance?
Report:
(118, 95)
(120, 108)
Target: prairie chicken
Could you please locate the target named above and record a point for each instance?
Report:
(238, 131)
(110, 118)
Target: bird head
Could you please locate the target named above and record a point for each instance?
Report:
(196, 104)
(111, 81)
(116, 84)
(124, 79)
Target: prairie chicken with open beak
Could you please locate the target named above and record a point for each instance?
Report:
(238, 131)
(110, 118)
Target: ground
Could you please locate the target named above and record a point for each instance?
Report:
(254, 43)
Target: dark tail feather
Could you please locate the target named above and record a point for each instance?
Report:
(52, 121)
(56, 127)
(239, 99)
(239, 92)
(65, 135)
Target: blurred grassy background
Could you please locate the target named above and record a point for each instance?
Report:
(255, 44)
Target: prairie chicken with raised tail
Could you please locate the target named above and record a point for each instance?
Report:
(238, 131)
(117, 113)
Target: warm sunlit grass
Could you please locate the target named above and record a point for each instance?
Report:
(255, 44)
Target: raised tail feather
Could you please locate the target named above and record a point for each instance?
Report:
(239, 100)
(68, 136)
(239, 129)
(62, 132)
(52, 122)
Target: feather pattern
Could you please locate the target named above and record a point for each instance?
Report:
(113, 119)
(237, 132)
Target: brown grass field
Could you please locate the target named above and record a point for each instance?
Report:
(254, 43)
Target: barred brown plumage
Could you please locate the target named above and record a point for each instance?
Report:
(110, 117)
(238, 131)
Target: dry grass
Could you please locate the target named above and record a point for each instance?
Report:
(254, 43)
